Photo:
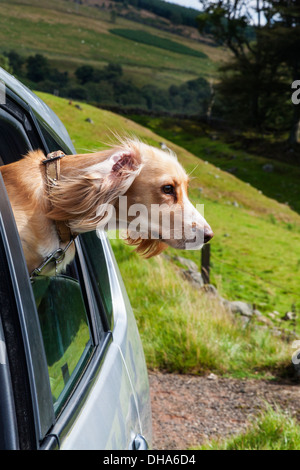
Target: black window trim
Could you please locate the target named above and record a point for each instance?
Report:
(35, 134)
(99, 329)
(96, 294)
(27, 322)
(8, 417)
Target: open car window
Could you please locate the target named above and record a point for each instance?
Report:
(64, 302)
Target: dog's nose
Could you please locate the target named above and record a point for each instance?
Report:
(208, 233)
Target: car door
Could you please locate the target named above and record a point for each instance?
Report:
(30, 416)
(76, 334)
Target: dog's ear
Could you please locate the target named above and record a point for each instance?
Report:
(120, 163)
(76, 198)
(124, 160)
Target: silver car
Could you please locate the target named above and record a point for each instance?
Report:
(72, 368)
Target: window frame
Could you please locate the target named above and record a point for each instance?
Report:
(66, 393)
(107, 320)
(30, 350)
(24, 115)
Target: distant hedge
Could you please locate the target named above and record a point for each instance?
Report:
(109, 87)
(157, 41)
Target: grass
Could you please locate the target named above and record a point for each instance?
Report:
(185, 332)
(156, 41)
(273, 429)
(30, 26)
(181, 330)
(281, 184)
(252, 239)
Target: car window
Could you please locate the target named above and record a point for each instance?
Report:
(62, 300)
(98, 270)
(50, 141)
(13, 140)
(65, 330)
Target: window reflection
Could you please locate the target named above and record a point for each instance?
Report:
(65, 332)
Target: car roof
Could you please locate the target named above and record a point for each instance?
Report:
(40, 109)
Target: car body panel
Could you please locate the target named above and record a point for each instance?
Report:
(109, 419)
(129, 341)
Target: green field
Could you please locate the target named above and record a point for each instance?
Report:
(156, 41)
(273, 429)
(255, 257)
(71, 36)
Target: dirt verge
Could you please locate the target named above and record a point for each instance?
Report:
(188, 410)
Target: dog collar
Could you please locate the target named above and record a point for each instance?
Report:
(52, 175)
(56, 256)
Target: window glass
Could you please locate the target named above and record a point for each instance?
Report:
(13, 140)
(65, 330)
(51, 143)
(55, 142)
(95, 259)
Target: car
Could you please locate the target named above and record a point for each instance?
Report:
(72, 368)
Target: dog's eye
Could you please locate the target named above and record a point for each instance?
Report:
(168, 189)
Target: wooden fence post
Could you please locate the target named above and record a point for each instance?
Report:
(205, 263)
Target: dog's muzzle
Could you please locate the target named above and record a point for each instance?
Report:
(208, 234)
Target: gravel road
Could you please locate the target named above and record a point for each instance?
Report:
(187, 410)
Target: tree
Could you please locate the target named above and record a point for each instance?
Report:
(113, 16)
(37, 68)
(85, 74)
(265, 42)
(176, 18)
(113, 70)
(4, 63)
(284, 24)
(60, 79)
(227, 22)
(16, 62)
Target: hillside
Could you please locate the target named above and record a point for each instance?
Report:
(32, 26)
(251, 259)
(277, 178)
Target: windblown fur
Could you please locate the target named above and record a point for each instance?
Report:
(87, 185)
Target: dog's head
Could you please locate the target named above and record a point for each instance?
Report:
(159, 196)
(147, 190)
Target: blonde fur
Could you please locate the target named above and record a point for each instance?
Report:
(87, 183)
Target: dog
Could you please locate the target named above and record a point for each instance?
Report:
(56, 198)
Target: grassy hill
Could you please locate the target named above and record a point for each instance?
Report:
(71, 35)
(282, 183)
(255, 257)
